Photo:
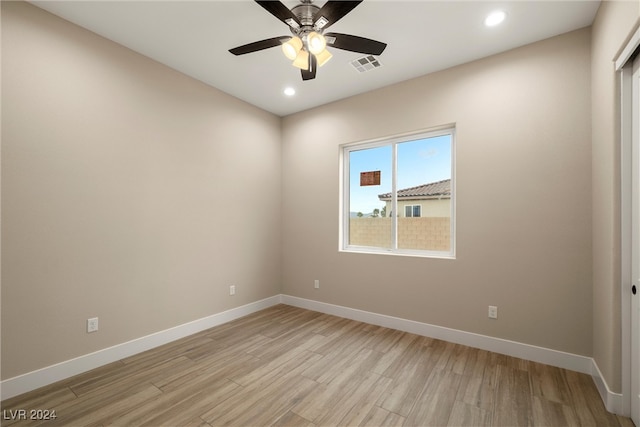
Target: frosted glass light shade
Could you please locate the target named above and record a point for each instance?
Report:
(302, 60)
(292, 47)
(316, 42)
(323, 57)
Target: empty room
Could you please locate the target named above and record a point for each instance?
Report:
(320, 213)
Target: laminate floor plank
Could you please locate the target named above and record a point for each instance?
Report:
(359, 411)
(168, 351)
(378, 417)
(550, 383)
(221, 369)
(355, 361)
(384, 339)
(386, 365)
(546, 412)
(352, 334)
(465, 415)
(477, 387)
(287, 366)
(291, 419)
(434, 406)
(291, 323)
(282, 345)
(128, 374)
(264, 402)
(513, 403)
(197, 422)
(414, 351)
(104, 413)
(246, 346)
(346, 344)
(209, 397)
(408, 372)
(444, 361)
(587, 402)
(333, 400)
(92, 407)
(353, 406)
(458, 357)
(274, 367)
(185, 403)
(234, 332)
(625, 421)
(331, 325)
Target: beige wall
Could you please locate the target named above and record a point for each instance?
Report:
(614, 23)
(430, 207)
(523, 226)
(114, 169)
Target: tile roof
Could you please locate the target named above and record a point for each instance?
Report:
(431, 190)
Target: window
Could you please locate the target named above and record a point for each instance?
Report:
(411, 175)
(412, 211)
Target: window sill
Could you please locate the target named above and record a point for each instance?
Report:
(404, 253)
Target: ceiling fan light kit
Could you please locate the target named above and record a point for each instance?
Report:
(298, 52)
(308, 46)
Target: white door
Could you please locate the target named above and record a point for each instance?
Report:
(635, 247)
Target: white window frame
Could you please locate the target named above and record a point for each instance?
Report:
(412, 215)
(343, 233)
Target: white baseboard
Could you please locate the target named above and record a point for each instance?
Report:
(50, 374)
(533, 353)
(32, 380)
(612, 401)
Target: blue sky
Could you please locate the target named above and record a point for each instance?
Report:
(419, 162)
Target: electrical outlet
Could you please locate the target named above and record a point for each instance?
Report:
(232, 289)
(493, 312)
(316, 284)
(92, 324)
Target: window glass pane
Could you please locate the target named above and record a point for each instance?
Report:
(369, 216)
(424, 179)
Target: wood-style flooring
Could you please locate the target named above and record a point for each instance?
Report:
(289, 366)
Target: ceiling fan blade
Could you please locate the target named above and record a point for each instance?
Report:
(259, 45)
(280, 11)
(310, 74)
(334, 10)
(355, 43)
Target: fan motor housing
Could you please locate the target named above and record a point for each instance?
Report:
(305, 13)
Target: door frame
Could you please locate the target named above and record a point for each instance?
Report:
(624, 67)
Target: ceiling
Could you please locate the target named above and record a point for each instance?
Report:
(194, 37)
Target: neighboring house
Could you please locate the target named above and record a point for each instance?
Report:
(427, 200)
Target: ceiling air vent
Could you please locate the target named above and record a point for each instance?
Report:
(366, 63)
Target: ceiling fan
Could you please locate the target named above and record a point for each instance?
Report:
(307, 48)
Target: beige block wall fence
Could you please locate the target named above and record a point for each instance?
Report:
(424, 233)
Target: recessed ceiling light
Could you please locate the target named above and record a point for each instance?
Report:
(289, 91)
(495, 18)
